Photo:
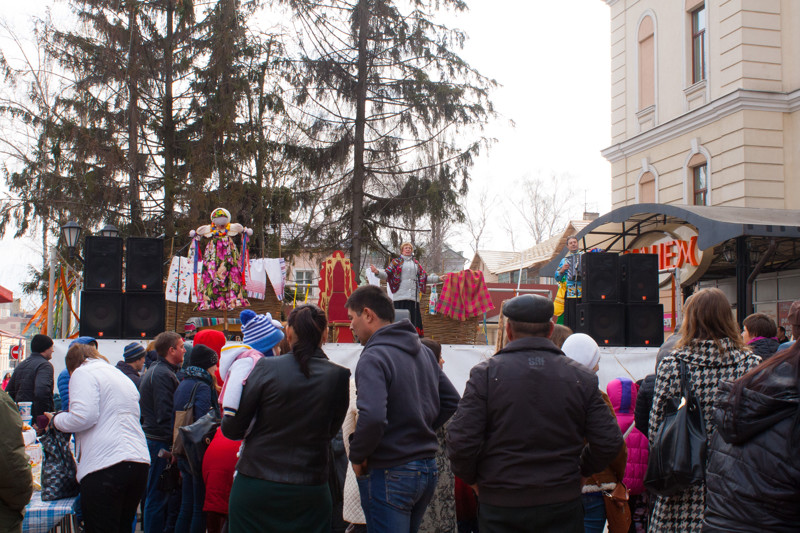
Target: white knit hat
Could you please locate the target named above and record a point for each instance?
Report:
(582, 349)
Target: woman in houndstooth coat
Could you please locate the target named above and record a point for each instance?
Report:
(713, 351)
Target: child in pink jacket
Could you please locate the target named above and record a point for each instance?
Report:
(622, 393)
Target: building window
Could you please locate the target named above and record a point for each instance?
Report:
(647, 86)
(698, 44)
(303, 277)
(700, 181)
(647, 188)
(512, 277)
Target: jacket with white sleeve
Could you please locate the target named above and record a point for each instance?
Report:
(104, 415)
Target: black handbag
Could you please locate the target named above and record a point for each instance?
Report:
(196, 437)
(678, 452)
(183, 417)
(59, 471)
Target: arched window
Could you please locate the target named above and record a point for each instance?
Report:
(647, 62)
(647, 188)
(698, 167)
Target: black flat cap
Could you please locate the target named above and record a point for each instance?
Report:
(529, 308)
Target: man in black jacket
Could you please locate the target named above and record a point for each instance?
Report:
(530, 425)
(156, 390)
(32, 381)
(133, 362)
(403, 397)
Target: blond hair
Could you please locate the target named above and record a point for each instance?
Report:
(80, 353)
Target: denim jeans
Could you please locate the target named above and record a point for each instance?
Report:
(394, 499)
(193, 493)
(594, 512)
(155, 505)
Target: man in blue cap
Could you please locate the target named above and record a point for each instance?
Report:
(133, 362)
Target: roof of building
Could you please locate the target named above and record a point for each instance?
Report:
(497, 262)
(493, 259)
(613, 231)
(6, 296)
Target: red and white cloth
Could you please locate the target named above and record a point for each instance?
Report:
(464, 295)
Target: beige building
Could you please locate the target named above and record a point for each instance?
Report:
(704, 102)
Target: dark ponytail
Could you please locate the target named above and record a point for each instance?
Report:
(308, 323)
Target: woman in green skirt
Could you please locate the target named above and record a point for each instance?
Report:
(296, 404)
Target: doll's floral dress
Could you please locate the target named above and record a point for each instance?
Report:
(221, 284)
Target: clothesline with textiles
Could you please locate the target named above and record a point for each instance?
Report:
(180, 282)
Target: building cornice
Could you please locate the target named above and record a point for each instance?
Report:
(739, 100)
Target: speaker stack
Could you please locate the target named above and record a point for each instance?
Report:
(107, 312)
(144, 289)
(619, 304)
(101, 299)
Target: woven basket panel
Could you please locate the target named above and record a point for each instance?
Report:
(447, 330)
(270, 304)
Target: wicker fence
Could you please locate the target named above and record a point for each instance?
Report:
(439, 328)
(184, 312)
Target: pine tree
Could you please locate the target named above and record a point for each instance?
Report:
(382, 77)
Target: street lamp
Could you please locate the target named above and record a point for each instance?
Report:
(71, 233)
(109, 231)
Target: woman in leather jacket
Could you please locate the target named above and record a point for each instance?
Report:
(295, 404)
(753, 476)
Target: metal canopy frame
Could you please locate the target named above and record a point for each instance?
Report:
(739, 230)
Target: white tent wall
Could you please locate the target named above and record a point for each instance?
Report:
(634, 363)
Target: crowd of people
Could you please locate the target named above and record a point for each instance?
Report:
(534, 444)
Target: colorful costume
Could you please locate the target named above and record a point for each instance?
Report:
(221, 285)
(572, 278)
(407, 280)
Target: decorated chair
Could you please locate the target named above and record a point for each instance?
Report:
(337, 281)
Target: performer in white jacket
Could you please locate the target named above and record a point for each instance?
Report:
(112, 455)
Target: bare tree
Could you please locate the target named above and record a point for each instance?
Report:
(544, 204)
(479, 217)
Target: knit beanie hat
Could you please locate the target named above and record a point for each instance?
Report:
(582, 349)
(212, 338)
(133, 352)
(259, 332)
(83, 340)
(203, 356)
(40, 343)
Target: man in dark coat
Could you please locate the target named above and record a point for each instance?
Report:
(32, 380)
(156, 391)
(530, 425)
(133, 362)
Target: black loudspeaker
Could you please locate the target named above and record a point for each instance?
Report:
(644, 325)
(101, 314)
(144, 314)
(604, 322)
(600, 277)
(639, 275)
(102, 267)
(144, 259)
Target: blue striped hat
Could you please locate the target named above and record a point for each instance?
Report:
(259, 331)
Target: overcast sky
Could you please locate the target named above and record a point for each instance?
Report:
(552, 60)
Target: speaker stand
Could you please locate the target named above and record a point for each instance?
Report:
(225, 322)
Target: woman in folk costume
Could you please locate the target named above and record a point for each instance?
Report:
(222, 282)
(712, 351)
(407, 280)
